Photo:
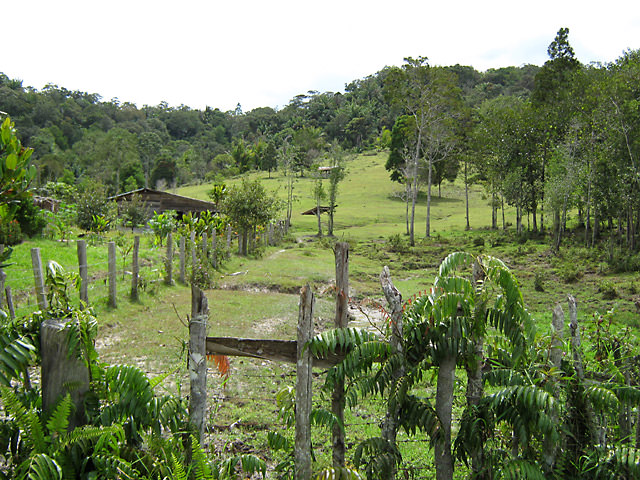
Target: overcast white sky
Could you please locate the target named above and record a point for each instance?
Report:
(264, 52)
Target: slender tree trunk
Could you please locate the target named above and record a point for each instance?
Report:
(428, 232)
(406, 201)
(504, 223)
(414, 195)
(391, 422)
(494, 212)
(475, 387)
(466, 196)
(444, 404)
(341, 321)
(550, 446)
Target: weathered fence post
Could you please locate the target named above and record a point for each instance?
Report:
(341, 321)
(302, 455)
(83, 270)
(62, 371)
(38, 277)
(193, 250)
(12, 312)
(169, 265)
(135, 268)
(214, 248)
(198, 360)
(113, 274)
(183, 259)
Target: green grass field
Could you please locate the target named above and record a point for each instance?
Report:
(257, 297)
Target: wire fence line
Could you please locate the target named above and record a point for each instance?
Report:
(19, 287)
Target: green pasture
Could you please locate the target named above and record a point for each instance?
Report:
(258, 296)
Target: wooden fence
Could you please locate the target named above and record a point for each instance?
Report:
(92, 275)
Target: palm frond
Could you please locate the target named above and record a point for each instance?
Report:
(16, 354)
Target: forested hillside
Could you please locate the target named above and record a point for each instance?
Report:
(78, 135)
(547, 140)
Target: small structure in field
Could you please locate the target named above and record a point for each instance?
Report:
(314, 210)
(159, 201)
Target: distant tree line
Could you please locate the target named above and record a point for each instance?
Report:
(548, 141)
(78, 136)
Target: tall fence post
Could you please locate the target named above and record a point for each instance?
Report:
(12, 312)
(83, 270)
(38, 277)
(113, 273)
(62, 372)
(198, 360)
(302, 455)
(135, 268)
(169, 265)
(341, 321)
(214, 248)
(183, 259)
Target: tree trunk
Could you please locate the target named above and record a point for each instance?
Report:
(475, 387)
(391, 421)
(341, 321)
(466, 196)
(550, 446)
(428, 229)
(444, 404)
(494, 212)
(414, 195)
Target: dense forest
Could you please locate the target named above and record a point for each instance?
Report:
(546, 140)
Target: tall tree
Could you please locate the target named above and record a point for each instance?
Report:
(430, 95)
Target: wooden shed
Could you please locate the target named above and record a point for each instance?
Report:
(158, 201)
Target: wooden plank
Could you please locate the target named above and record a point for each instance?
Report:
(273, 350)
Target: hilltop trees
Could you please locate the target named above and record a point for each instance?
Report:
(429, 95)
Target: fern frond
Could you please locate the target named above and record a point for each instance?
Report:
(177, 469)
(378, 457)
(59, 420)
(40, 467)
(517, 469)
(341, 473)
(200, 463)
(277, 441)
(503, 377)
(324, 418)
(114, 467)
(26, 419)
(453, 261)
(602, 398)
(338, 340)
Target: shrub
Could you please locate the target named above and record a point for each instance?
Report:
(10, 232)
(538, 281)
(608, 290)
(93, 202)
(570, 273)
(397, 243)
(478, 242)
(30, 218)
